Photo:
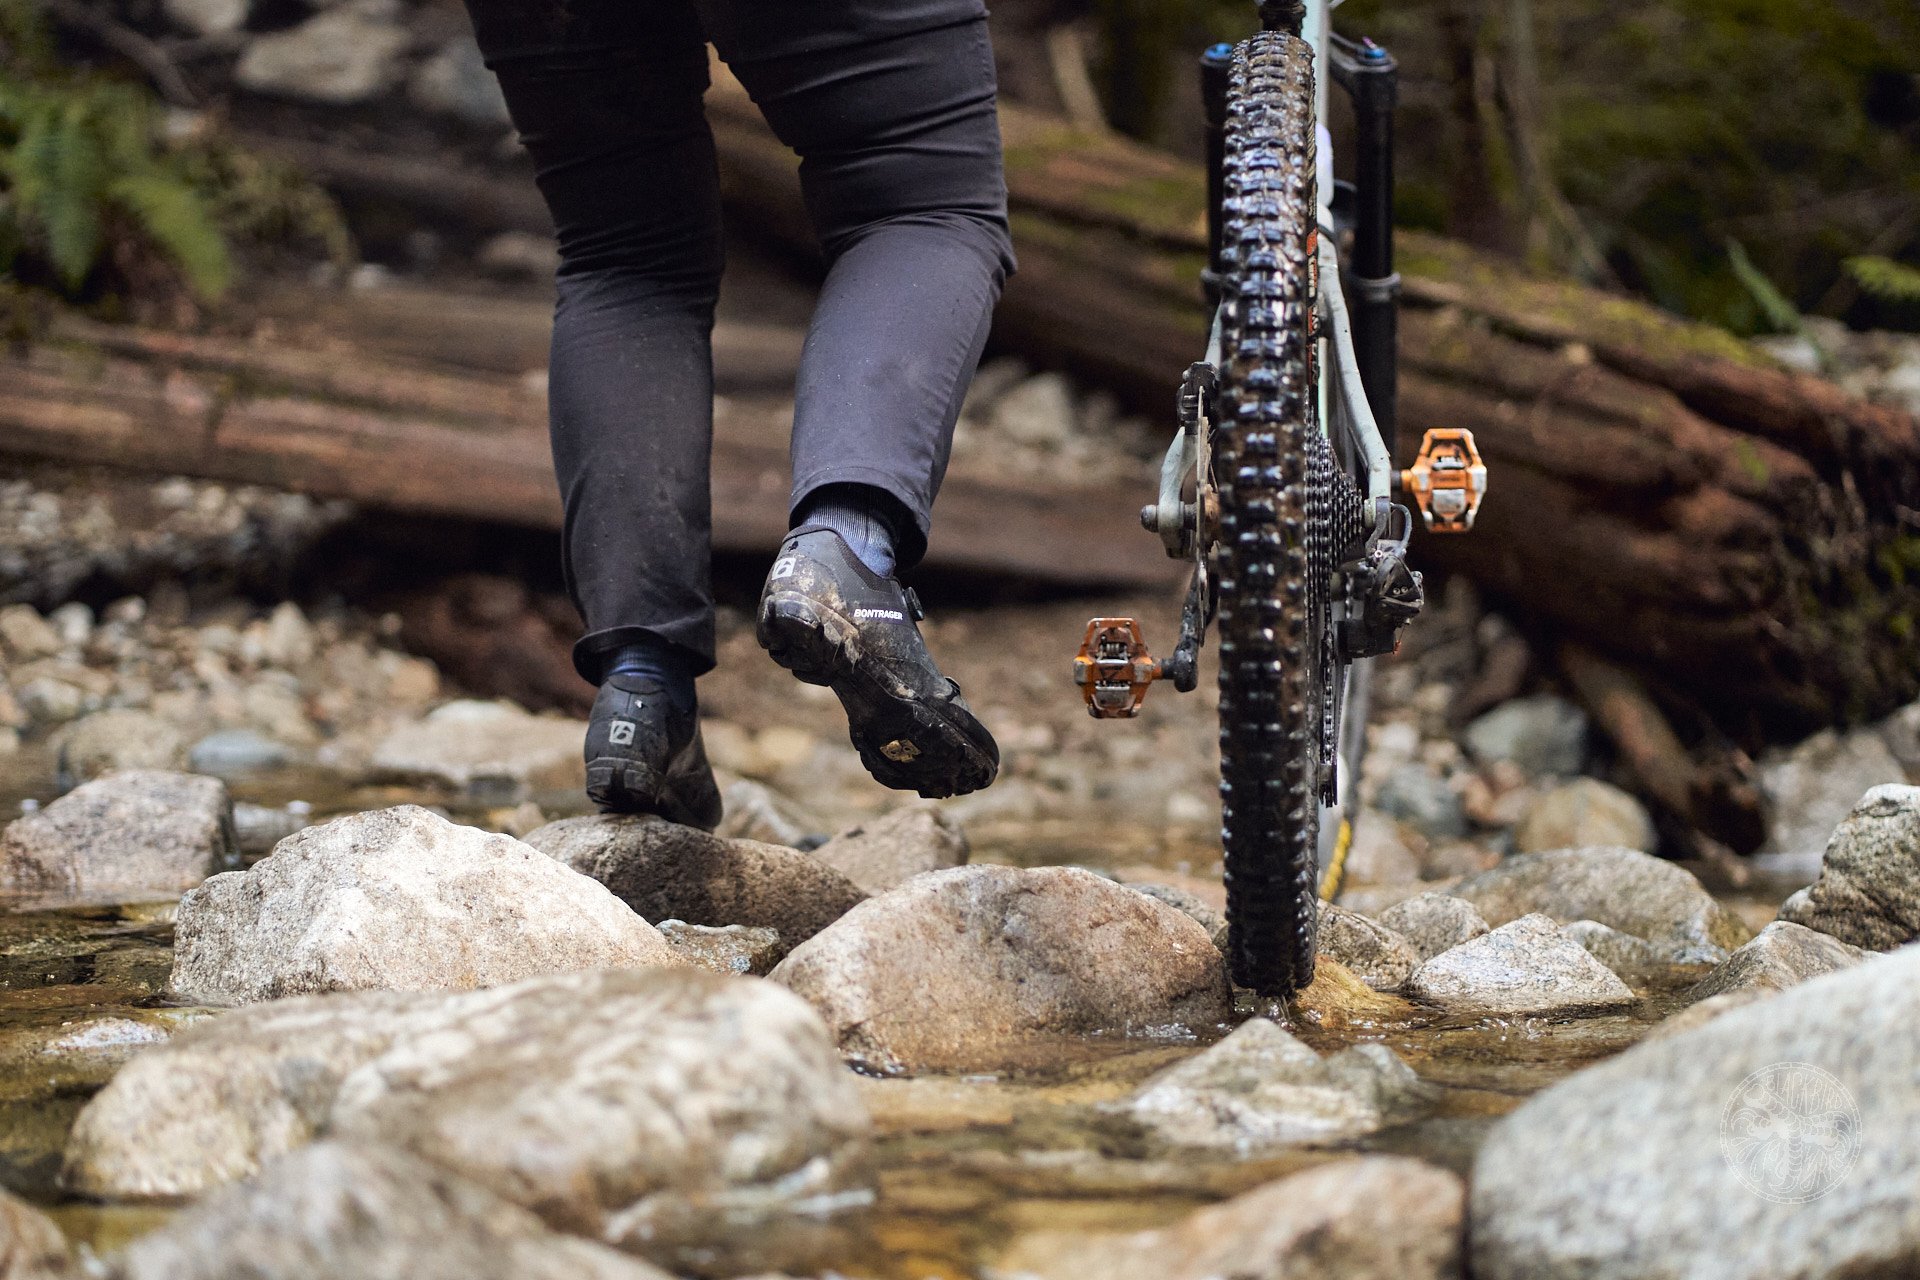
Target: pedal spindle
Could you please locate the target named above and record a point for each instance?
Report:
(1113, 668)
(1448, 480)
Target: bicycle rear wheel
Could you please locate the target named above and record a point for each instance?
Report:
(1276, 476)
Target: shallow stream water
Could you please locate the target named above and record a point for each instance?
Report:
(963, 1165)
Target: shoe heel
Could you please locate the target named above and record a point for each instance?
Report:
(795, 636)
(625, 786)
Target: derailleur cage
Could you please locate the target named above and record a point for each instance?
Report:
(1385, 594)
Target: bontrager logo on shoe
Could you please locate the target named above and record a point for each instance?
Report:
(783, 568)
(621, 735)
(891, 615)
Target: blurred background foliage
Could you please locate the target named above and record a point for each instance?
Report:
(108, 195)
(1720, 157)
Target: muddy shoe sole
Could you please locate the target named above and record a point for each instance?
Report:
(907, 741)
(615, 785)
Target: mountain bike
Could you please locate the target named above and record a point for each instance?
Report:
(1279, 485)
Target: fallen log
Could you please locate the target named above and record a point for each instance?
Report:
(400, 435)
(1746, 537)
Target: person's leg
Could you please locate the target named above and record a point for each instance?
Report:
(606, 96)
(890, 105)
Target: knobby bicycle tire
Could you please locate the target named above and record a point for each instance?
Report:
(1279, 508)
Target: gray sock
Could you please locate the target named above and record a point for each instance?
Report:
(858, 515)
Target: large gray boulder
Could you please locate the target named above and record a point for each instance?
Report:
(1812, 787)
(1374, 953)
(1434, 922)
(882, 853)
(646, 1108)
(31, 1244)
(1774, 1141)
(1868, 893)
(142, 831)
(1783, 955)
(1261, 1088)
(1369, 1218)
(398, 899)
(1583, 813)
(1622, 888)
(492, 751)
(117, 739)
(1546, 736)
(954, 969)
(666, 871)
(372, 1213)
(1526, 967)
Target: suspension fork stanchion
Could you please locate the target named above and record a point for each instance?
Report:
(1372, 78)
(1216, 64)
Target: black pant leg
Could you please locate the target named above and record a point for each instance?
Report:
(606, 95)
(890, 104)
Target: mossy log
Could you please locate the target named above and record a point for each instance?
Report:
(1746, 537)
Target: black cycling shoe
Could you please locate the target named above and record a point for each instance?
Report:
(828, 619)
(644, 755)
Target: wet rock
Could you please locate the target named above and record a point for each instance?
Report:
(25, 635)
(1526, 967)
(733, 948)
(1424, 801)
(1812, 787)
(370, 1212)
(1775, 1141)
(1700, 1013)
(1262, 1088)
(1373, 952)
(48, 699)
(1626, 955)
(1783, 955)
(1189, 905)
(455, 82)
(1370, 1218)
(954, 968)
(754, 811)
(142, 831)
(491, 750)
(339, 57)
(669, 872)
(31, 1245)
(1901, 732)
(1434, 922)
(1546, 736)
(237, 753)
(1868, 893)
(881, 854)
(1381, 852)
(1337, 1000)
(1622, 888)
(647, 1108)
(1584, 813)
(258, 827)
(118, 739)
(398, 899)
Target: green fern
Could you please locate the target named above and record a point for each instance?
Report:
(1885, 280)
(86, 174)
(1780, 314)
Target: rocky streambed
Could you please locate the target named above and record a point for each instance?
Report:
(313, 966)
